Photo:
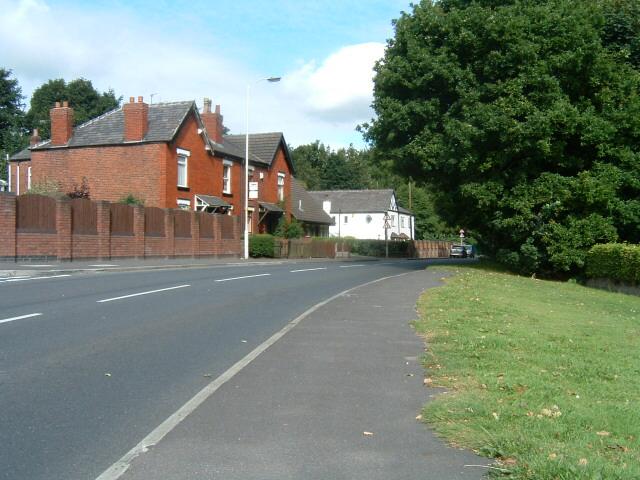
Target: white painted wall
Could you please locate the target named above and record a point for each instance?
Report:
(369, 225)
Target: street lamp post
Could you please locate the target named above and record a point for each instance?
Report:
(246, 169)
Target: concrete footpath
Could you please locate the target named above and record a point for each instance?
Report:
(301, 409)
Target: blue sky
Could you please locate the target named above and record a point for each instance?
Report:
(181, 50)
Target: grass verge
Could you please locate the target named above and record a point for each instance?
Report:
(543, 376)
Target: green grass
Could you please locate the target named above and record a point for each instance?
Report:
(543, 376)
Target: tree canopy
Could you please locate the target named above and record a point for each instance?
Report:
(87, 102)
(11, 117)
(524, 116)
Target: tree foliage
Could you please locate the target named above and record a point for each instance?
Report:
(11, 118)
(524, 116)
(86, 101)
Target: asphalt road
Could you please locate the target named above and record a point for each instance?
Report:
(91, 363)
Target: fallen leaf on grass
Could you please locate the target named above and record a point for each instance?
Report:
(603, 433)
(583, 461)
(495, 415)
(552, 456)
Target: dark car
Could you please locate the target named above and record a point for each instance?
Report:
(462, 251)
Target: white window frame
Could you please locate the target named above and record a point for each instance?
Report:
(250, 211)
(184, 156)
(29, 178)
(226, 180)
(281, 177)
(183, 202)
(9, 176)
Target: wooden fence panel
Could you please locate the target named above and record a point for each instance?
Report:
(84, 217)
(35, 214)
(182, 223)
(121, 219)
(226, 227)
(206, 224)
(154, 222)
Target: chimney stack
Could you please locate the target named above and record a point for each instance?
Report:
(35, 138)
(136, 120)
(212, 121)
(61, 123)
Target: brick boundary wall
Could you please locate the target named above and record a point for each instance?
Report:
(65, 245)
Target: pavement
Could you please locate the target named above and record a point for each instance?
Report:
(336, 397)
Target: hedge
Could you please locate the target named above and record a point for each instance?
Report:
(261, 245)
(615, 261)
(376, 248)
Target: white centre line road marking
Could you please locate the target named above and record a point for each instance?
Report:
(308, 269)
(141, 293)
(24, 279)
(20, 317)
(350, 266)
(103, 265)
(246, 276)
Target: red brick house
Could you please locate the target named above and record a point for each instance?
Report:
(167, 154)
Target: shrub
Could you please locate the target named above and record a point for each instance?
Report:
(289, 229)
(615, 261)
(80, 191)
(46, 187)
(261, 245)
(131, 199)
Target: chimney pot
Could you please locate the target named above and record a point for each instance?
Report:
(218, 109)
(132, 100)
(65, 104)
(212, 122)
(57, 104)
(206, 105)
(140, 99)
(35, 138)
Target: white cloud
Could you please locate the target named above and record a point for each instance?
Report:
(340, 89)
(322, 100)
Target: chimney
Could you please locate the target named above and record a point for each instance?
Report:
(212, 121)
(61, 123)
(35, 138)
(136, 120)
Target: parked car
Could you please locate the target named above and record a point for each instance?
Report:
(462, 251)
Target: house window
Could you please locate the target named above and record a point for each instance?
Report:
(183, 155)
(369, 218)
(402, 222)
(184, 204)
(281, 186)
(29, 178)
(346, 219)
(226, 177)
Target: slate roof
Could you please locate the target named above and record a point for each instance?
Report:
(213, 201)
(311, 211)
(164, 121)
(24, 154)
(262, 146)
(356, 201)
(404, 210)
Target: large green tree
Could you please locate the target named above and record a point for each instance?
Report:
(87, 102)
(11, 118)
(524, 115)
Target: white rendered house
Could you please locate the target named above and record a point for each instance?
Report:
(361, 213)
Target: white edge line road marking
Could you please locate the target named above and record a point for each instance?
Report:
(350, 266)
(141, 293)
(308, 269)
(116, 470)
(34, 278)
(20, 317)
(246, 276)
(105, 265)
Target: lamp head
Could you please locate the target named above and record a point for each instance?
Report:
(273, 79)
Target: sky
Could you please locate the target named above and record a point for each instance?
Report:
(187, 50)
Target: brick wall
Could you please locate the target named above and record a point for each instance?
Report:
(112, 172)
(64, 245)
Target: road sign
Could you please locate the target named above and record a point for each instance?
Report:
(387, 219)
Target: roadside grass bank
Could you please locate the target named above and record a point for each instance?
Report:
(543, 376)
